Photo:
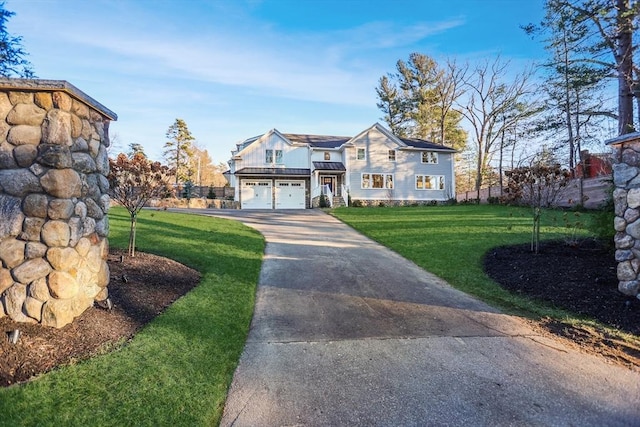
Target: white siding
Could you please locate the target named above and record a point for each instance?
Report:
(407, 165)
(292, 156)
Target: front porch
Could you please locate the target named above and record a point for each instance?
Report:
(328, 182)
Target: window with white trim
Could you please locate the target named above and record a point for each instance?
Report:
(269, 156)
(327, 156)
(361, 154)
(392, 155)
(377, 180)
(430, 157)
(429, 182)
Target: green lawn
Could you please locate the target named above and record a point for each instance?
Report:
(176, 371)
(450, 241)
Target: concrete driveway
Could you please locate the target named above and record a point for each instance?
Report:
(347, 333)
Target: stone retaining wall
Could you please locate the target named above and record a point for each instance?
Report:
(53, 201)
(626, 197)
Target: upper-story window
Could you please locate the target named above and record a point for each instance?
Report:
(392, 155)
(430, 157)
(269, 156)
(327, 156)
(361, 154)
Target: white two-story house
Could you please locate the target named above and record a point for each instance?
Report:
(291, 171)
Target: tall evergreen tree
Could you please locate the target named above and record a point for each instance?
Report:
(178, 150)
(573, 81)
(611, 27)
(417, 100)
(13, 62)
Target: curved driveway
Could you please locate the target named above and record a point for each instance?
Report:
(348, 333)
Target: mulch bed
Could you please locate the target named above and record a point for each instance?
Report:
(580, 278)
(140, 288)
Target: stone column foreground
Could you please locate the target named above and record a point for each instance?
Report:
(626, 198)
(53, 201)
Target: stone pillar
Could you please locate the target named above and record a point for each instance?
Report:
(626, 197)
(53, 201)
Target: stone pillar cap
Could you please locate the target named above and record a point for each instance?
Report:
(56, 85)
(628, 137)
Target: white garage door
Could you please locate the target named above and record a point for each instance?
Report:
(290, 195)
(256, 194)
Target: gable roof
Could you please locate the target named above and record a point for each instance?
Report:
(331, 141)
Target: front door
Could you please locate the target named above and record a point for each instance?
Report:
(330, 181)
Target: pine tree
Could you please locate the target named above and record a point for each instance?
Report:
(12, 56)
(178, 150)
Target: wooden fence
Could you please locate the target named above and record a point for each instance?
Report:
(595, 191)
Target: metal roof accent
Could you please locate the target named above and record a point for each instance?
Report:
(423, 144)
(321, 141)
(329, 166)
(274, 171)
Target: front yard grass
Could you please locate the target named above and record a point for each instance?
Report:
(176, 371)
(450, 241)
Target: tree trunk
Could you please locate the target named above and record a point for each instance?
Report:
(624, 61)
(132, 235)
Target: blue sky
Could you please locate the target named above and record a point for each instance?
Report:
(238, 68)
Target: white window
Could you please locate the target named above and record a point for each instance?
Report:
(429, 182)
(268, 156)
(361, 154)
(392, 155)
(377, 180)
(327, 156)
(430, 157)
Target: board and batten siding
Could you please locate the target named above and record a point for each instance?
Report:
(292, 156)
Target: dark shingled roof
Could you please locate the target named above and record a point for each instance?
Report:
(274, 171)
(329, 166)
(421, 143)
(321, 141)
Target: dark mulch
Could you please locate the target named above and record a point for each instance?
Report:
(140, 288)
(579, 278)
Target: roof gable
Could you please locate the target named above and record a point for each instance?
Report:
(380, 129)
(254, 142)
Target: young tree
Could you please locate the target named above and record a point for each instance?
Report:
(12, 56)
(178, 150)
(538, 185)
(133, 181)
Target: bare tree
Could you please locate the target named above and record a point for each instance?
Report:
(490, 108)
(538, 185)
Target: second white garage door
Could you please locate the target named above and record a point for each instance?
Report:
(256, 194)
(290, 195)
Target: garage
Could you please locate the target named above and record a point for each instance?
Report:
(256, 194)
(290, 194)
